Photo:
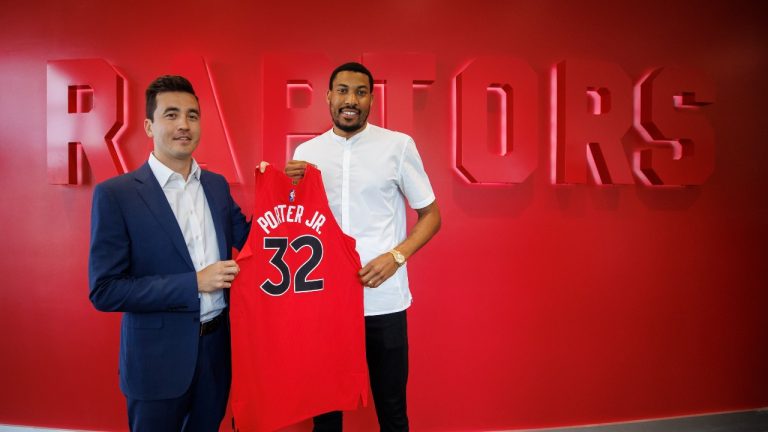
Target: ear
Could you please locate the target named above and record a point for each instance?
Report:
(328, 97)
(148, 127)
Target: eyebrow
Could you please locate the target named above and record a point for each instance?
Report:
(176, 109)
(365, 86)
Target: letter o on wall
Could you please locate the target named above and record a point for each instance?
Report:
(516, 81)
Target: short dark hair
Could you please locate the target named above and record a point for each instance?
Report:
(166, 83)
(351, 67)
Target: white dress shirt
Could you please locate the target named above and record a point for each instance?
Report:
(367, 179)
(187, 200)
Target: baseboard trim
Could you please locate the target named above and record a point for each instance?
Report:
(732, 421)
(738, 421)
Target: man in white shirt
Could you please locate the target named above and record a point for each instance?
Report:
(161, 246)
(368, 173)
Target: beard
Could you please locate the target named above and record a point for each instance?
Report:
(350, 127)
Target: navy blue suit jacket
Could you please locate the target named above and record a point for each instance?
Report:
(139, 264)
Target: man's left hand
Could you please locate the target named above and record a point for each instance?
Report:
(378, 270)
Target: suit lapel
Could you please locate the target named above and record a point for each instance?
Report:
(152, 194)
(214, 204)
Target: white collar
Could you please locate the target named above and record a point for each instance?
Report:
(354, 138)
(163, 173)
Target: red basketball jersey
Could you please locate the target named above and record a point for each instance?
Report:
(298, 332)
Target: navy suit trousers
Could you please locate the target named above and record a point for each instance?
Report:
(202, 407)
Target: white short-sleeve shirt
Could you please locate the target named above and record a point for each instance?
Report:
(367, 179)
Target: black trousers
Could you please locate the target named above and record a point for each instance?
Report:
(386, 347)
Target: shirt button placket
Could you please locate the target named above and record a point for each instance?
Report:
(347, 155)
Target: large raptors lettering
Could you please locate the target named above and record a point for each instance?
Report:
(605, 127)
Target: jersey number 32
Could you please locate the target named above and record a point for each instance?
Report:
(300, 281)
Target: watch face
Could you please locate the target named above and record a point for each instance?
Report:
(399, 258)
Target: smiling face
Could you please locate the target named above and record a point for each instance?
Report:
(349, 100)
(175, 128)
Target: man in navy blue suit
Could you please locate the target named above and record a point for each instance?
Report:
(161, 246)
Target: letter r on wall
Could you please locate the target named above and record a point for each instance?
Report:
(85, 113)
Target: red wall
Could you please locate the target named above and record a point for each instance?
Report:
(549, 297)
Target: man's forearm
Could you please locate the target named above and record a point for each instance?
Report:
(425, 228)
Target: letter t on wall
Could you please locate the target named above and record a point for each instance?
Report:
(399, 73)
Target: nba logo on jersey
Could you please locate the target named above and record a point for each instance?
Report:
(292, 195)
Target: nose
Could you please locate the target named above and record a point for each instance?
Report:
(183, 123)
(351, 99)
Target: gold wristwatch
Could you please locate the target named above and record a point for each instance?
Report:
(399, 258)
